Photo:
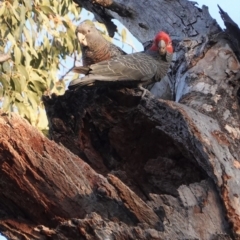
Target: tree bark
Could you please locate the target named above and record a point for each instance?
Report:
(126, 167)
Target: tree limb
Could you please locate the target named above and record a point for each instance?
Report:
(233, 31)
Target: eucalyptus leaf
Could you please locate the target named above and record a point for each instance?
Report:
(39, 87)
(11, 38)
(22, 109)
(38, 35)
(17, 54)
(6, 67)
(16, 84)
(6, 103)
(46, 9)
(42, 121)
(22, 69)
(33, 99)
(28, 36)
(16, 15)
(18, 97)
(5, 80)
(2, 9)
(124, 35)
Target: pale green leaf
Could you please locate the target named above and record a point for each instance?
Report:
(17, 54)
(6, 103)
(33, 99)
(28, 5)
(17, 83)
(33, 52)
(46, 2)
(23, 11)
(38, 35)
(42, 121)
(5, 81)
(70, 44)
(46, 43)
(11, 38)
(34, 76)
(14, 12)
(38, 87)
(6, 67)
(15, 4)
(28, 58)
(42, 17)
(18, 97)
(22, 69)
(2, 9)
(46, 9)
(22, 109)
(124, 35)
(28, 36)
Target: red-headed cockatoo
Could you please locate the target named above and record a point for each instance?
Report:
(136, 69)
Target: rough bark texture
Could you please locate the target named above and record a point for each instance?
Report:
(126, 167)
(232, 30)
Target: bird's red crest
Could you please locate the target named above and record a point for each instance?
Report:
(166, 38)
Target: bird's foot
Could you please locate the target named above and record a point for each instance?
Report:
(144, 91)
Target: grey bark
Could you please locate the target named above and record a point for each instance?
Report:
(204, 77)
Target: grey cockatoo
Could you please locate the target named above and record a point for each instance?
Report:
(95, 48)
(136, 68)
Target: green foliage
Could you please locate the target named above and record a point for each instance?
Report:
(38, 34)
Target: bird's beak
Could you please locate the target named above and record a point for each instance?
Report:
(82, 39)
(162, 47)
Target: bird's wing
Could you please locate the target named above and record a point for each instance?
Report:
(115, 50)
(137, 66)
(81, 69)
(164, 64)
(134, 68)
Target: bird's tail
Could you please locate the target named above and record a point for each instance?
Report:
(79, 83)
(81, 70)
(90, 79)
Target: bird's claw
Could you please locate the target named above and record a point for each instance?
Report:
(144, 91)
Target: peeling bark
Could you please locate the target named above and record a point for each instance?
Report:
(124, 167)
(163, 151)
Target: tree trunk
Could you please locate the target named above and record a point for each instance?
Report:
(126, 167)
